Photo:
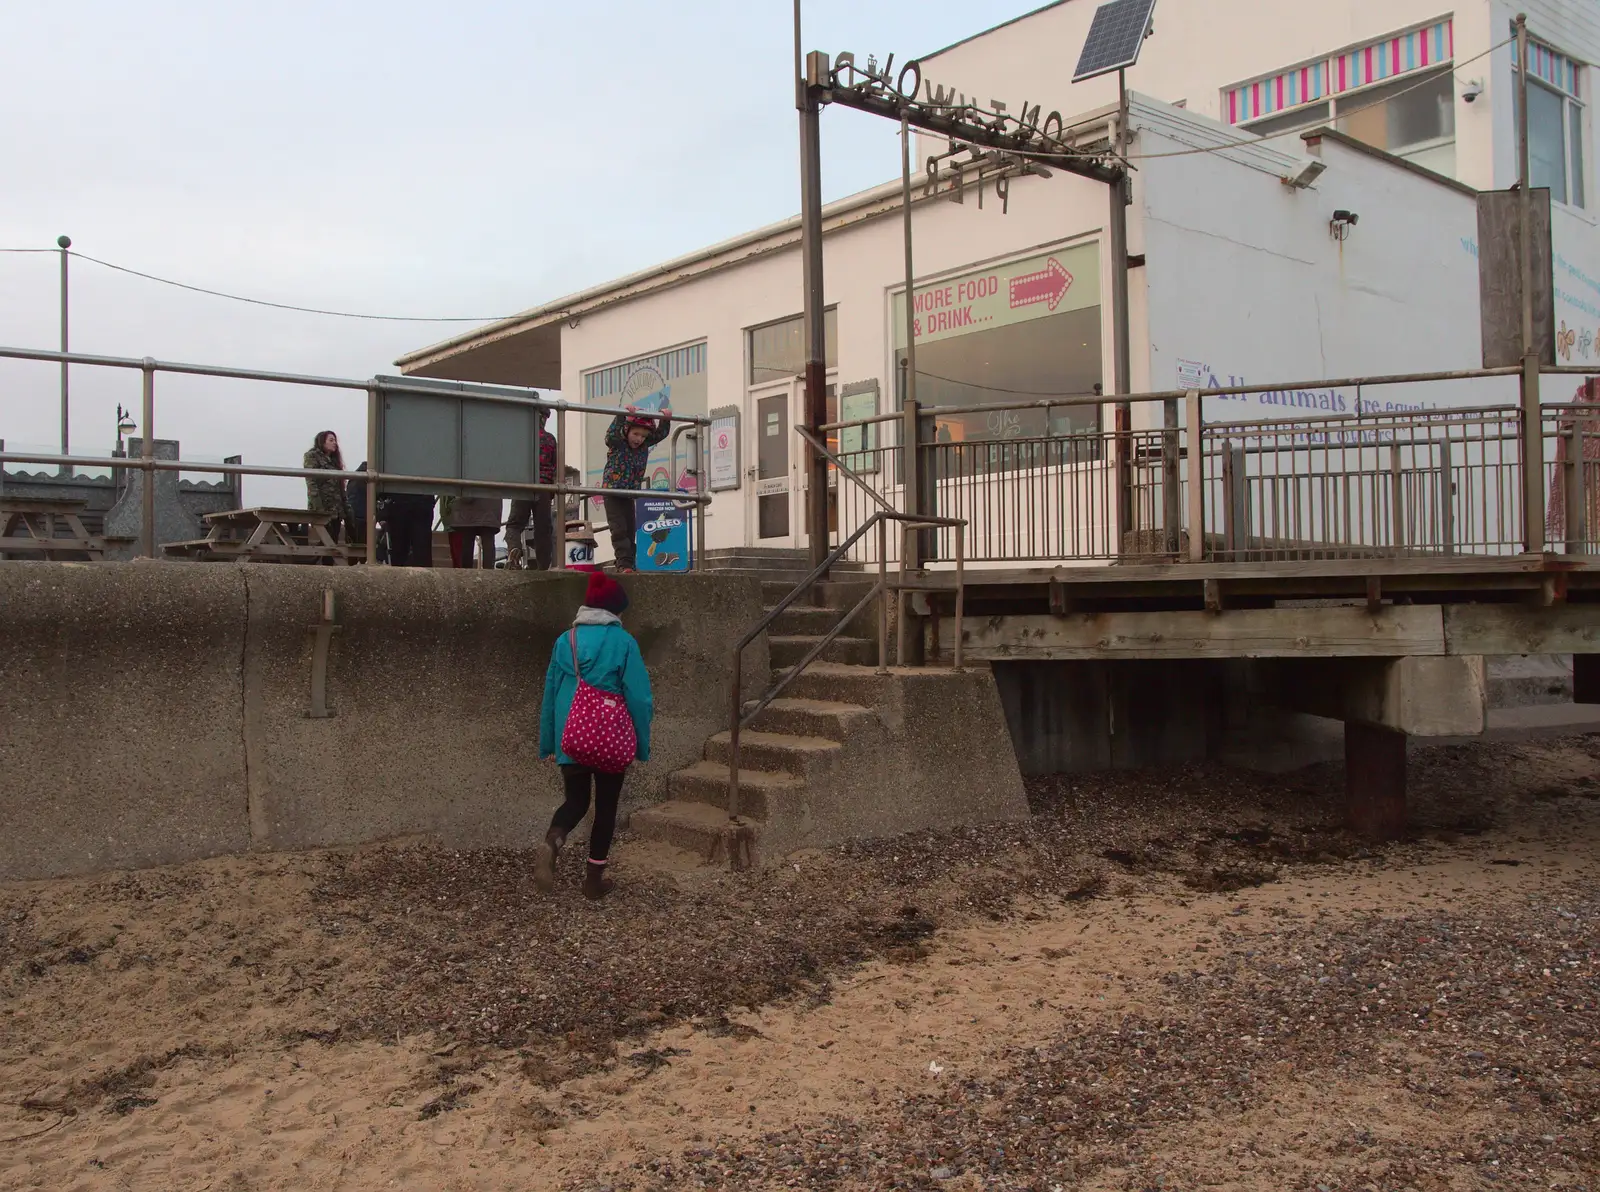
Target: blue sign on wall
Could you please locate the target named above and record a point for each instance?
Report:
(663, 535)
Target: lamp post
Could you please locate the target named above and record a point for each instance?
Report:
(64, 243)
(125, 425)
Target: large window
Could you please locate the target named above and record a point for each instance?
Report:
(1397, 95)
(674, 380)
(1413, 117)
(777, 351)
(1556, 126)
(1007, 335)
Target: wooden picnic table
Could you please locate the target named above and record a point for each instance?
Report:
(265, 535)
(31, 525)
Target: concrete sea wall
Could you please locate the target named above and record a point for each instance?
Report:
(156, 713)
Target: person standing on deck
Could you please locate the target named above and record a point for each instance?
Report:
(325, 494)
(628, 441)
(537, 508)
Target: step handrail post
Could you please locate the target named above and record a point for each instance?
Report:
(883, 596)
(961, 590)
(733, 735)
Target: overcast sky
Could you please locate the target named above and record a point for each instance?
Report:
(475, 158)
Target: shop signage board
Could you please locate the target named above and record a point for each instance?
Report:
(663, 536)
(1000, 295)
(724, 454)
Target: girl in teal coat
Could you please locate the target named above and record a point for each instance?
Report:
(610, 660)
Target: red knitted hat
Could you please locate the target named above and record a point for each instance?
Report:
(605, 592)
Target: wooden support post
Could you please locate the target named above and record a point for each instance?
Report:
(1375, 780)
(1374, 594)
(1060, 606)
(1586, 678)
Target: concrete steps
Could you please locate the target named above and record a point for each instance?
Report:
(799, 620)
(859, 651)
(776, 753)
(697, 828)
(706, 782)
(853, 683)
(835, 593)
(813, 718)
(846, 751)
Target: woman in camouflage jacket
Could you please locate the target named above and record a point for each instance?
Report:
(326, 494)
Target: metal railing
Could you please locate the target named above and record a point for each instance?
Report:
(1572, 510)
(1375, 486)
(146, 462)
(1374, 483)
(740, 716)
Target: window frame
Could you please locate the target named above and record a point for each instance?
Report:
(829, 312)
(1574, 125)
(1413, 78)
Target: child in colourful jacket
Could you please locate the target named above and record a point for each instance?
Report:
(628, 441)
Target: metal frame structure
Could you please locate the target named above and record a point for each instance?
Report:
(992, 136)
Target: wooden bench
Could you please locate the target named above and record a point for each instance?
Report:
(31, 526)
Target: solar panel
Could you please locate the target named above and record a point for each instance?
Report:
(1119, 29)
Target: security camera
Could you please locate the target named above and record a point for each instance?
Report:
(1472, 90)
(1346, 217)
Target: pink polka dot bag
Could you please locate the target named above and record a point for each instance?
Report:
(599, 732)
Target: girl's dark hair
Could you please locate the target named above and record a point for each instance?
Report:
(321, 444)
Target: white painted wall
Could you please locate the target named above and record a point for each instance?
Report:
(863, 265)
(1245, 279)
(1241, 276)
(1201, 47)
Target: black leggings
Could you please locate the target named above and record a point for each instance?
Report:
(607, 790)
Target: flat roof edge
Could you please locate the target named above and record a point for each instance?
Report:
(560, 308)
(1313, 135)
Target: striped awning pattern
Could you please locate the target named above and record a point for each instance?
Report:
(680, 362)
(1553, 67)
(1316, 81)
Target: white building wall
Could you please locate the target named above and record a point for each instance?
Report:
(1202, 47)
(1242, 281)
(1247, 284)
(864, 267)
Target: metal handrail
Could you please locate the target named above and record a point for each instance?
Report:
(738, 717)
(844, 468)
(146, 462)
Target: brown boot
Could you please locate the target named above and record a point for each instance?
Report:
(596, 883)
(544, 860)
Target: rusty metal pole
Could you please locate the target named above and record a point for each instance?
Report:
(64, 243)
(559, 561)
(1121, 375)
(810, 76)
(961, 595)
(733, 738)
(372, 475)
(1197, 479)
(702, 442)
(883, 595)
(147, 457)
(1532, 416)
(914, 502)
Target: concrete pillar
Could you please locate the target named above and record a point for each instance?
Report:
(1586, 678)
(1375, 780)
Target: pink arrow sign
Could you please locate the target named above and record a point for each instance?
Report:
(1050, 285)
